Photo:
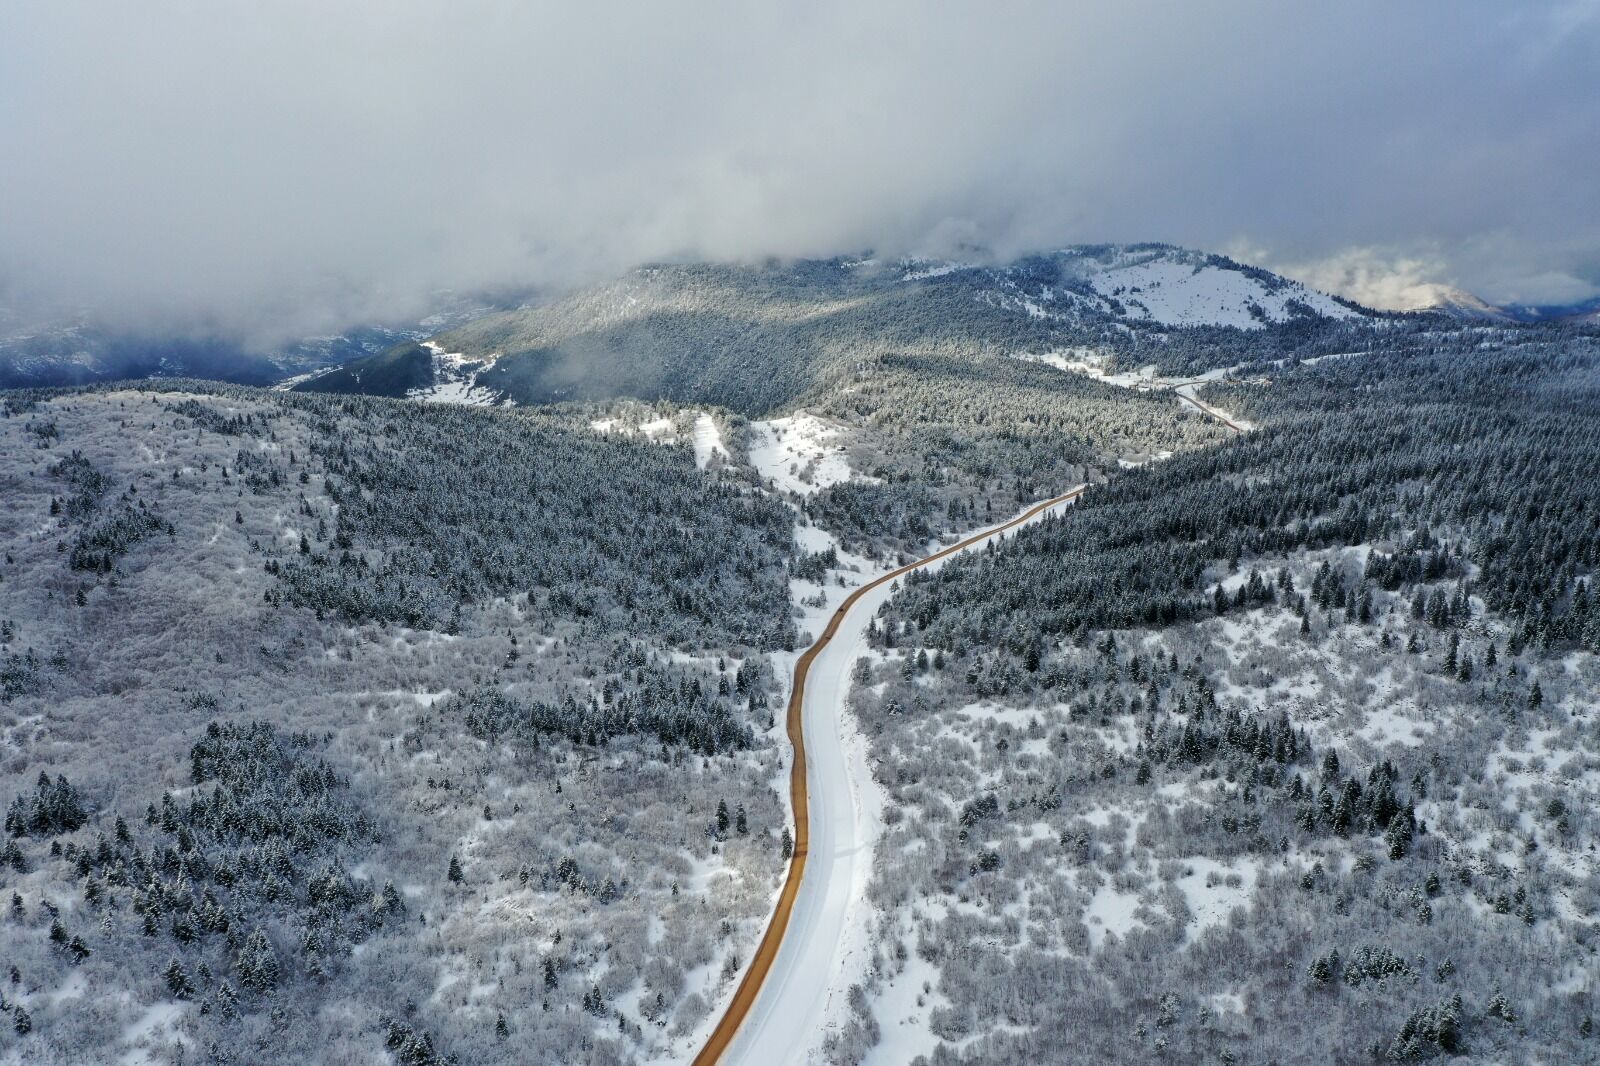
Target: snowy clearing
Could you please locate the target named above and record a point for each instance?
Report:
(707, 440)
(455, 380)
(800, 453)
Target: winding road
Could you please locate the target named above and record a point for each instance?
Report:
(779, 1009)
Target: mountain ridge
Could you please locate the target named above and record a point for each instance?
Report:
(757, 337)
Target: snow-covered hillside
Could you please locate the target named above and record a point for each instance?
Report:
(1159, 285)
(454, 380)
(1177, 293)
(800, 453)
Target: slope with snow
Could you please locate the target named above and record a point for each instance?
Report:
(1448, 300)
(1127, 290)
(707, 440)
(1176, 293)
(454, 380)
(800, 453)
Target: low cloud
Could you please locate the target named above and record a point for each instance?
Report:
(1370, 276)
(292, 167)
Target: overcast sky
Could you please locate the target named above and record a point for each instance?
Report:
(294, 166)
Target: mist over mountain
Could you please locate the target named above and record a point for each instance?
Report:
(634, 535)
(76, 349)
(754, 338)
(267, 174)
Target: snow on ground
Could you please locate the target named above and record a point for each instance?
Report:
(1111, 911)
(464, 392)
(1091, 364)
(707, 440)
(903, 1006)
(1179, 294)
(657, 428)
(800, 453)
(455, 380)
(705, 437)
(157, 1020)
(918, 269)
(1387, 725)
(1227, 1002)
(1016, 717)
(288, 384)
(828, 944)
(1214, 890)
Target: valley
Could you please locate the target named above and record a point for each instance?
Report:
(665, 724)
(756, 535)
(785, 997)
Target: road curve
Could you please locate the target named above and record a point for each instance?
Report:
(764, 1032)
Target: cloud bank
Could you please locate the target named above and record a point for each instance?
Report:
(1371, 276)
(295, 166)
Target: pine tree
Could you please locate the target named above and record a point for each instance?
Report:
(177, 981)
(257, 964)
(227, 1000)
(1330, 765)
(454, 874)
(1320, 970)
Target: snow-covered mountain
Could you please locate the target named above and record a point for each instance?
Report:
(1160, 285)
(757, 337)
(1457, 303)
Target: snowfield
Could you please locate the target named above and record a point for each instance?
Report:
(1093, 364)
(455, 380)
(704, 435)
(1144, 287)
(1176, 294)
(801, 453)
(707, 440)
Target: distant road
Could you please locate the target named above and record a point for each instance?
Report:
(1186, 393)
(779, 1007)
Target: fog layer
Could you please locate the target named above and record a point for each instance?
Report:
(295, 166)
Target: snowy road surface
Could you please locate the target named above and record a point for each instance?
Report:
(788, 1019)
